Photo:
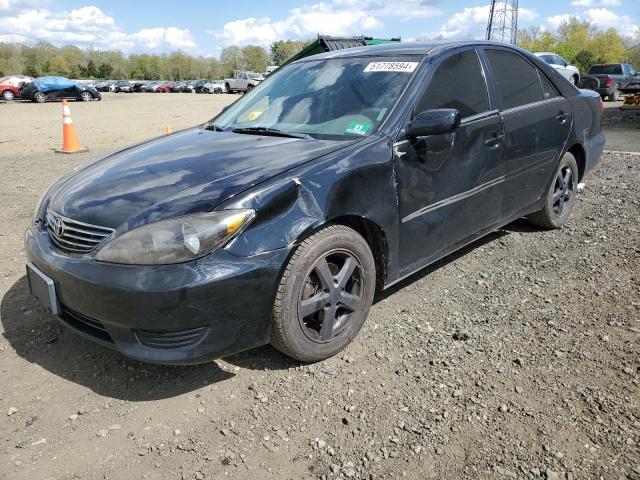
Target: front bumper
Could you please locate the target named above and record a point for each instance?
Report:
(176, 314)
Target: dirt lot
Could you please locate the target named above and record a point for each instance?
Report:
(518, 357)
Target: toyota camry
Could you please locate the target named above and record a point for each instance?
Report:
(338, 176)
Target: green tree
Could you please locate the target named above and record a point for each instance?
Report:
(232, 59)
(283, 50)
(255, 58)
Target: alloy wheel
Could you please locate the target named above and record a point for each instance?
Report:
(331, 293)
(8, 95)
(563, 191)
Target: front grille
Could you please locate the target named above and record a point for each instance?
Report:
(180, 339)
(86, 324)
(74, 236)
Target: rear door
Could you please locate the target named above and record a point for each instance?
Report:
(450, 186)
(537, 121)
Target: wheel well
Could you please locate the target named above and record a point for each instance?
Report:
(581, 159)
(376, 240)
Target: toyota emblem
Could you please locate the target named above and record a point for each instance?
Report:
(58, 226)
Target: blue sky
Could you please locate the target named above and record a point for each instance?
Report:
(205, 27)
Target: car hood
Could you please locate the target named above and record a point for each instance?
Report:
(186, 172)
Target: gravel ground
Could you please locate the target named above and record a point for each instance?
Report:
(518, 357)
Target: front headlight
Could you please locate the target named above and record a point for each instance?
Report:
(176, 240)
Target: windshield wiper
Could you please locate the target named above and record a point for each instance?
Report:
(270, 131)
(211, 126)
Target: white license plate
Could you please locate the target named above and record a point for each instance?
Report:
(43, 288)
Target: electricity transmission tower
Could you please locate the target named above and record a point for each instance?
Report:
(503, 21)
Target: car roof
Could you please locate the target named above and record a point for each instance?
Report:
(406, 48)
(546, 53)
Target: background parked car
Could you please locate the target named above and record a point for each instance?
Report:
(10, 86)
(149, 87)
(177, 87)
(44, 89)
(163, 87)
(242, 81)
(570, 72)
(214, 86)
(615, 78)
(137, 86)
(123, 86)
(105, 86)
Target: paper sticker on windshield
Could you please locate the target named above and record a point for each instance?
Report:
(358, 128)
(391, 67)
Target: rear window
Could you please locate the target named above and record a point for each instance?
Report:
(606, 70)
(517, 81)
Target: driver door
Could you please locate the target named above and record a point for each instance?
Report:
(450, 186)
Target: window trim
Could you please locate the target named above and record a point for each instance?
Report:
(542, 75)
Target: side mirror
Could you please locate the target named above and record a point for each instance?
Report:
(566, 64)
(434, 122)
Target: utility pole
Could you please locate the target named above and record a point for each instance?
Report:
(503, 21)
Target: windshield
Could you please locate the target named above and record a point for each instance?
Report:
(256, 76)
(337, 98)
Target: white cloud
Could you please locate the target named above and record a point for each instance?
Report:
(595, 3)
(340, 17)
(471, 23)
(600, 17)
(86, 26)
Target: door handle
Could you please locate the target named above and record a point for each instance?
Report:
(494, 141)
(562, 117)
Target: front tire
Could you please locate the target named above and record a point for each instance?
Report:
(575, 80)
(39, 97)
(560, 197)
(8, 95)
(86, 96)
(324, 295)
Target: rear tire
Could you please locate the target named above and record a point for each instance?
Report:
(86, 96)
(560, 196)
(8, 95)
(39, 97)
(324, 295)
(227, 88)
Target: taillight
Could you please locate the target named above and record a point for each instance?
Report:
(609, 81)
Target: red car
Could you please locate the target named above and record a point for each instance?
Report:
(10, 86)
(164, 88)
(8, 92)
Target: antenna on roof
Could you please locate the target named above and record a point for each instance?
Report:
(503, 21)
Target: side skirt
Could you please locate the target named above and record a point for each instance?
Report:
(416, 267)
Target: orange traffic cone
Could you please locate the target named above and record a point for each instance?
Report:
(70, 143)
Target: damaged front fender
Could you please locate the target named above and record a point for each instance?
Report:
(356, 184)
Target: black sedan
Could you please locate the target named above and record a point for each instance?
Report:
(339, 175)
(45, 89)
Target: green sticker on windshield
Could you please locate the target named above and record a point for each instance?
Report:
(358, 128)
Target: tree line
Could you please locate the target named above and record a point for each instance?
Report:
(42, 58)
(580, 43)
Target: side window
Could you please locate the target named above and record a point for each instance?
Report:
(457, 83)
(560, 61)
(516, 80)
(548, 90)
(617, 70)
